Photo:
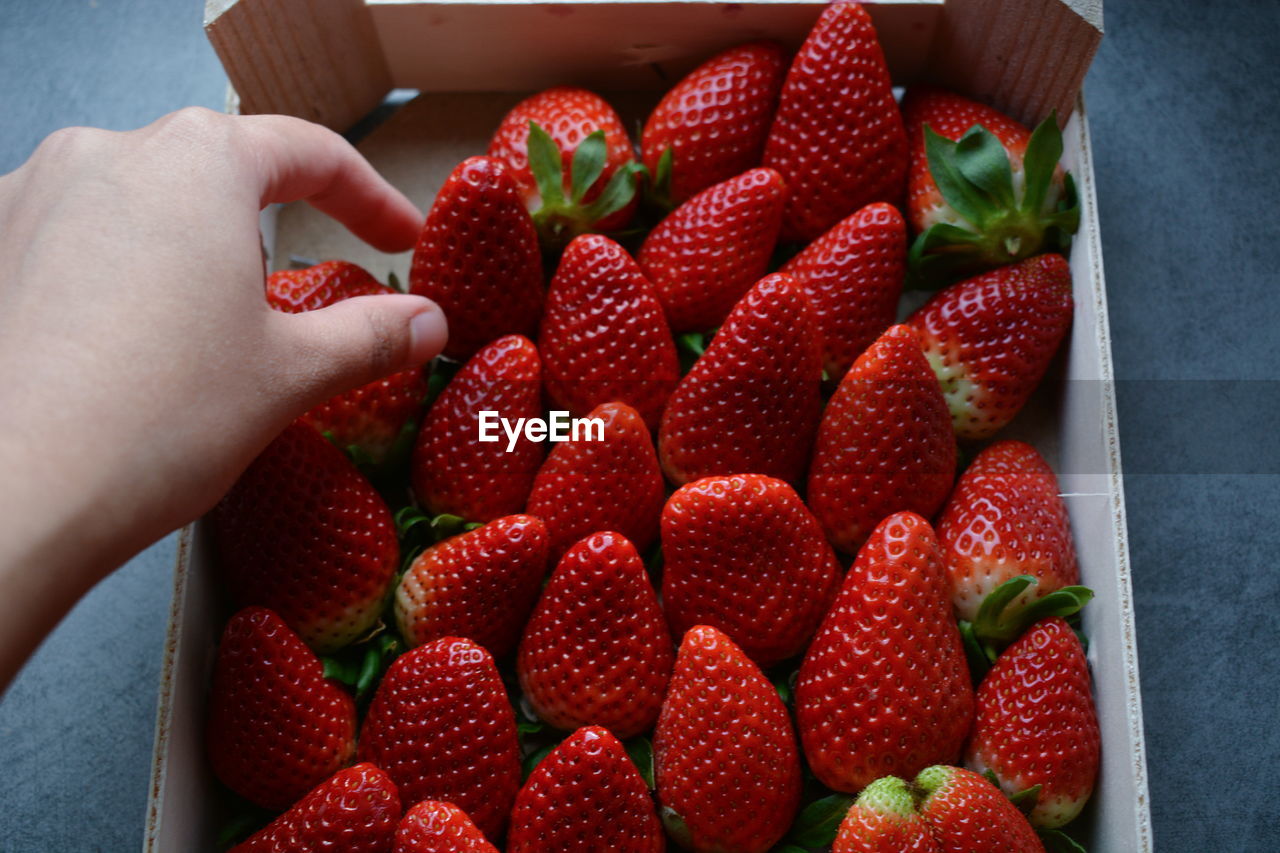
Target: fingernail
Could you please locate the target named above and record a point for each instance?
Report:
(428, 333)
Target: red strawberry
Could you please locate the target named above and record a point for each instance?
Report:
(990, 339)
(604, 336)
(714, 121)
(884, 688)
(725, 756)
(370, 417)
(884, 820)
(610, 484)
(480, 585)
(853, 277)
(709, 251)
(441, 726)
(1020, 205)
(752, 402)
(885, 443)
(452, 470)
(597, 650)
(304, 533)
(478, 258)
(588, 797)
(355, 811)
(743, 554)
(969, 815)
(568, 121)
(277, 727)
(1036, 724)
(1005, 519)
(435, 827)
(837, 139)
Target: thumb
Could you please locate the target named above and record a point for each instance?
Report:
(360, 340)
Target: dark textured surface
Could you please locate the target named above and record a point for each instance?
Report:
(1183, 104)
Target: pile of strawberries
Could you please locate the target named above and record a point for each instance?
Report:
(719, 621)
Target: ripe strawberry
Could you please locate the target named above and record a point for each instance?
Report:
(435, 827)
(714, 121)
(1005, 519)
(1036, 724)
(478, 258)
(884, 688)
(884, 445)
(304, 533)
(969, 815)
(597, 650)
(370, 417)
(837, 139)
(743, 554)
(853, 277)
(725, 755)
(277, 727)
(441, 726)
(884, 820)
(1002, 198)
(590, 485)
(585, 796)
(752, 402)
(544, 138)
(452, 471)
(355, 811)
(990, 339)
(604, 336)
(480, 585)
(709, 251)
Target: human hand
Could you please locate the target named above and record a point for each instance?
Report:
(140, 366)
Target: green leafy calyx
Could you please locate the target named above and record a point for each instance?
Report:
(561, 217)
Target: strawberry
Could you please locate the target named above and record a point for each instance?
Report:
(709, 251)
(571, 157)
(853, 277)
(478, 258)
(604, 336)
(837, 139)
(1005, 520)
(480, 584)
(885, 443)
(1036, 725)
(752, 402)
(884, 820)
(725, 756)
(304, 533)
(597, 650)
(585, 796)
(441, 726)
(714, 121)
(969, 815)
(884, 687)
(609, 484)
(990, 339)
(435, 827)
(355, 811)
(983, 190)
(743, 554)
(373, 416)
(276, 727)
(452, 470)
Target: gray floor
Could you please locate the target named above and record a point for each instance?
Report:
(1184, 107)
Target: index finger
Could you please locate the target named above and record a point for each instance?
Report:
(296, 159)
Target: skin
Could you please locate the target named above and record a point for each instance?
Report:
(140, 367)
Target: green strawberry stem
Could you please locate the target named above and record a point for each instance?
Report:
(1026, 799)
(657, 190)
(1057, 841)
(818, 822)
(997, 624)
(975, 178)
(562, 218)
(640, 750)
